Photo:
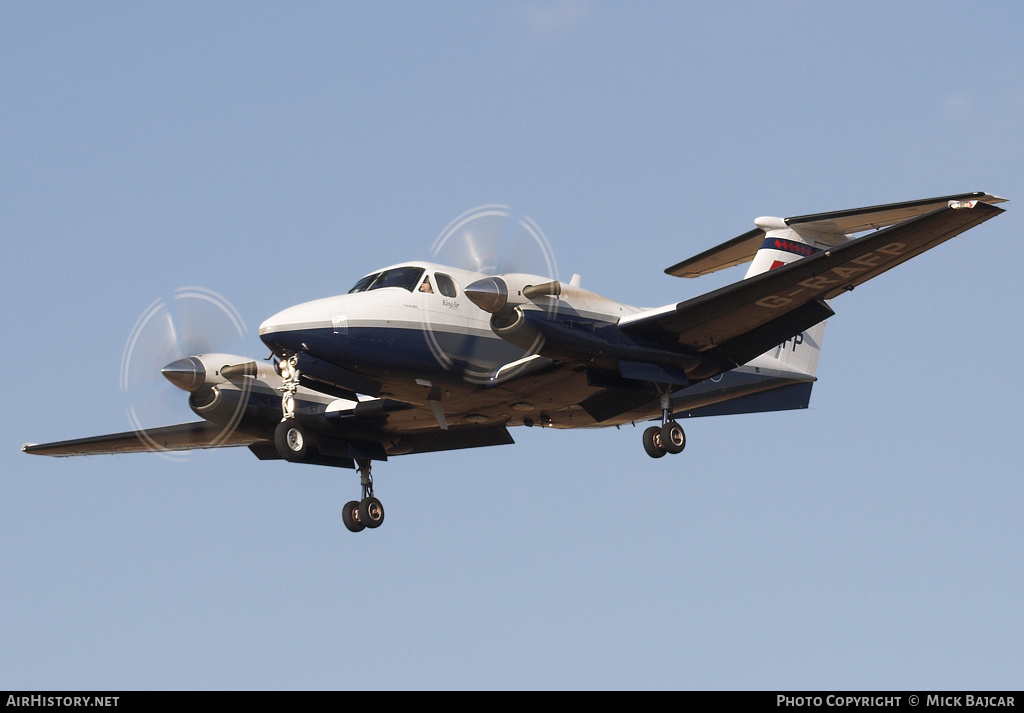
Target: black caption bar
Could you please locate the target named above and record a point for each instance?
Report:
(761, 700)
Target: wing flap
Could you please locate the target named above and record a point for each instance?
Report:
(781, 398)
(741, 349)
(454, 439)
(728, 313)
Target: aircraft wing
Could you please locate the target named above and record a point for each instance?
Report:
(358, 437)
(794, 294)
(180, 437)
(854, 220)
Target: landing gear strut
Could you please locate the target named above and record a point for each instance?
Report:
(293, 443)
(367, 512)
(290, 438)
(289, 370)
(669, 437)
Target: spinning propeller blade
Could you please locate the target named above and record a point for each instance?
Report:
(166, 347)
(514, 264)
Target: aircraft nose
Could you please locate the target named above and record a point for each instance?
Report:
(187, 374)
(269, 325)
(284, 321)
(489, 294)
(287, 330)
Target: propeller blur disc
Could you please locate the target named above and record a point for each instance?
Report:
(192, 321)
(492, 240)
(488, 240)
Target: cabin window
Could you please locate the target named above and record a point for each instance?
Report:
(446, 285)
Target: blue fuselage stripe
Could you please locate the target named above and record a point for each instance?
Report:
(372, 350)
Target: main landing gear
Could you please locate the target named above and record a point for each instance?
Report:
(367, 512)
(669, 437)
(292, 443)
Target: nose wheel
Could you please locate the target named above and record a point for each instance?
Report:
(291, 441)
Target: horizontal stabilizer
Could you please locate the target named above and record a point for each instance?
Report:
(729, 254)
(742, 249)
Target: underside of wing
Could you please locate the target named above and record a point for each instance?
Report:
(856, 220)
(179, 437)
(736, 311)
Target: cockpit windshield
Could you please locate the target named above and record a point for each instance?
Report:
(404, 277)
(364, 284)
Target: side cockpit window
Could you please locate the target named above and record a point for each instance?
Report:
(446, 285)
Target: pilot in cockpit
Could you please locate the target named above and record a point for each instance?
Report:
(425, 286)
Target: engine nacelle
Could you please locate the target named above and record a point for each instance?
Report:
(228, 390)
(513, 327)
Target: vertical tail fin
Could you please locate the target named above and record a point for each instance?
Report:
(798, 354)
(782, 245)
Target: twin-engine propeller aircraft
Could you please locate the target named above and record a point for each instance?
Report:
(421, 357)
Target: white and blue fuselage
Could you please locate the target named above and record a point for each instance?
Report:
(410, 330)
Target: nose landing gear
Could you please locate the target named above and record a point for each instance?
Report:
(290, 438)
(293, 443)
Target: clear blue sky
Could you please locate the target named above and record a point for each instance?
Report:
(275, 153)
